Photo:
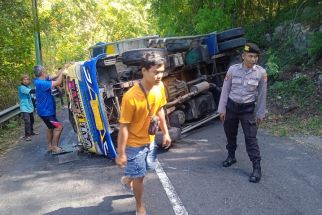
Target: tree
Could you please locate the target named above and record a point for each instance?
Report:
(70, 27)
(16, 53)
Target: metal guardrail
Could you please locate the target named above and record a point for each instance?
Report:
(9, 113)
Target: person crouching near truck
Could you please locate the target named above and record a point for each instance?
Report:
(26, 106)
(141, 113)
(46, 106)
(243, 99)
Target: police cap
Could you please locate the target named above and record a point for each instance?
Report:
(251, 48)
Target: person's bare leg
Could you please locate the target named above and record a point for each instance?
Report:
(57, 134)
(128, 181)
(50, 135)
(138, 194)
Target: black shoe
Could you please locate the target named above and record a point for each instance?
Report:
(256, 175)
(229, 161)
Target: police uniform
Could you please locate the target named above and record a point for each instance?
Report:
(243, 99)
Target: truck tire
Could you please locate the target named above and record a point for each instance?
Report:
(98, 49)
(230, 34)
(231, 44)
(175, 134)
(133, 57)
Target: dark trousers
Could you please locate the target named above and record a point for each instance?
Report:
(243, 113)
(29, 123)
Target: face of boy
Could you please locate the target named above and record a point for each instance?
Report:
(26, 81)
(153, 75)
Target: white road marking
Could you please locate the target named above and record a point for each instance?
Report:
(177, 205)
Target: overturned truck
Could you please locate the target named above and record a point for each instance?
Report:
(196, 66)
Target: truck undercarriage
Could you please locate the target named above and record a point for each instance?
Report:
(196, 66)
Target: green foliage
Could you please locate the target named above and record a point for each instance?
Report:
(315, 44)
(173, 18)
(255, 33)
(285, 50)
(312, 14)
(296, 89)
(70, 27)
(188, 17)
(12, 124)
(309, 15)
(272, 67)
(207, 20)
(16, 45)
(268, 15)
(10, 132)
(184, 17)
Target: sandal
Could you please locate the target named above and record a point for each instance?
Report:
(58, 151)
(28, 138)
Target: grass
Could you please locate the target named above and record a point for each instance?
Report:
(10, 132)
(290, 125)
(295, 105)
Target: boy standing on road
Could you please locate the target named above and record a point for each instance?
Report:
(26, 106)
(46, 106)
(136, 147)
(243, 99)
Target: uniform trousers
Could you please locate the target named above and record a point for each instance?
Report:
(245, 114)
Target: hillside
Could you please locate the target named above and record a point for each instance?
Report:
(294, 64)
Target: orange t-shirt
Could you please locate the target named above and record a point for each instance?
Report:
(134, 111)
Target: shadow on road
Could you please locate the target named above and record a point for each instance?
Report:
(105, 207)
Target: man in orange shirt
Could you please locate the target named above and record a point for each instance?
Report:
(136, 147)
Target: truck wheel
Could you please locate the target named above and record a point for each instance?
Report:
(177, 118)
(133, 57)
(98, 50)
(175, 134)
(231, 44)
(230, 34)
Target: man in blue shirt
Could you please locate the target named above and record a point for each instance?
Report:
(26, 106)
(46, 106)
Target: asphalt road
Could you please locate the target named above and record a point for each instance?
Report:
(190, 179)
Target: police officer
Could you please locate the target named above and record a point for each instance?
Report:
(243, 99)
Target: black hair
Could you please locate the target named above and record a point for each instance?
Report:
(151, 59)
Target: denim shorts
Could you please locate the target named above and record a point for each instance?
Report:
(140, 159)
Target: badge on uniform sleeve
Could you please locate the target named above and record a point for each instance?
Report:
(265, 77)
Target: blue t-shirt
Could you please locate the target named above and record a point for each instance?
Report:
(25, 101)
(46, 104)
